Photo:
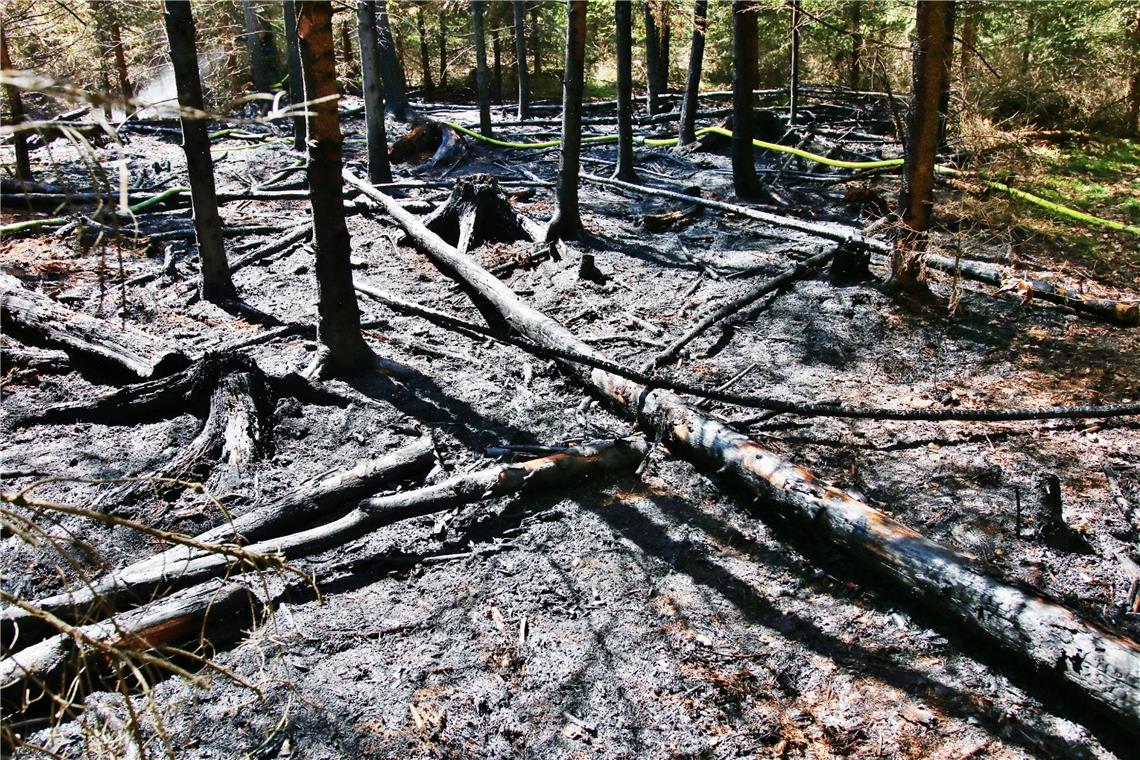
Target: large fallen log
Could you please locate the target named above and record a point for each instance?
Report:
(1100, 665)
(36, 319)
(58, 671)
(572, 466)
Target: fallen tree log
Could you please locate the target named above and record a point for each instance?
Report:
(34, 360)
(179, 567)
(59, 671)
(38, 320)
(1125, 313)
(1102, 666)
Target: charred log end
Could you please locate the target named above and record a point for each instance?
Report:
(417, 144)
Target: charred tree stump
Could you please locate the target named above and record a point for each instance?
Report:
(477, 212)
(1100, 665)
(36, 319)
(75, 662)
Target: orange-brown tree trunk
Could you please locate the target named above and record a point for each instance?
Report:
(931, 70)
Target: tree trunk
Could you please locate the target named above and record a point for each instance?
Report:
(215, 283)
(794, 79)
(1133, 126)
(296, 83)
(652, 39)
(425, 53)
(1102, 666)
(379, 170)
(16, 109)
(481, 86)
(391, 70)
(117, 48)
(688, 127)
(346, 48)
(664, 34)
(970, 18)
(520, 58)
(745, 51)
(535, 38)
(343, 347)
(623, 21)
(36, 319)
(443, 46)
(935, 25)
(497, 76)
(855, 57)
(262, 51)
(567, 223)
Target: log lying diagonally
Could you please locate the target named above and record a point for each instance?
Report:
(140, 581)
(1126, 313)
(214, 610)
(38, 320)
(1102, 665)
(572, 466)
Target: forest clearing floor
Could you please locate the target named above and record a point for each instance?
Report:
(657, 616)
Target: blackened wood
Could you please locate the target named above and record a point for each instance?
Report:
(38, 320)
(391, 70)
(425, 53)
(259, 42)
(215, 283)
(476, 212)
(567, 221)
(652, 40)
(519, 10)
(794, 78)
(623, 18)
(745, 49)
(481, 87)
(296, 80)
(16, 109)
(343, 345)
(379, 170)
(688, 126)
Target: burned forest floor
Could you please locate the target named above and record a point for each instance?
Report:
(650, 615)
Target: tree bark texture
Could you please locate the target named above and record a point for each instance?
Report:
(16, 109)
(339, 322)
(567, 222)
(519, 9)
(916, 199)
(1099, 664)
(855, 56)
(379, 170)
(478, 8)
(391, 70)
(36, 319)
(425, 52)
(296, 79)
(623, 18)
(745, 50)
(794, 78)
(652, 40)
(215, 283)
(688, 127)
(262, 50)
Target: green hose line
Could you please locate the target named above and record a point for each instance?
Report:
(59, 221)
(1037, 200)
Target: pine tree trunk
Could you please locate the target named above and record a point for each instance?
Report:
(535, 39)
(651, 58)
(443, 46)
(745, 51)
(520, 59)
(391, 70)
(970, 13)
(116, 40)
(693, 82)
(16, 109)
(497, 76)
(425, 53)
(296, 83)
(262, 51)
(346, 48)
(215, 283)
(623, 21)
(342, 346)
(794, 81)
(567, 223)
(1133, 126)
(854, 60)
(481, 86)
(664, 33)
(933, 37)
(379, 169)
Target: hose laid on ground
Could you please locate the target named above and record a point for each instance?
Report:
(59, 221)
(1055, 208)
